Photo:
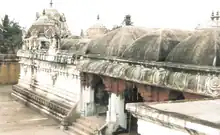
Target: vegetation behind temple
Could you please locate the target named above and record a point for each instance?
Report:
(11, 36)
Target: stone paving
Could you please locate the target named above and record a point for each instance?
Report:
(17, 119)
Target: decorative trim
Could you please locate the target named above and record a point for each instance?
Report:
(57, 109)
(170, 120)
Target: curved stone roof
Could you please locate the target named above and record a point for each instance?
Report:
(155, 45)
(73, 44)
(198, 49)
(53, 13)
(115, 42)
(43, 20)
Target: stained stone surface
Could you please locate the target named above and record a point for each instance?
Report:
(207, 110)
(17, 119)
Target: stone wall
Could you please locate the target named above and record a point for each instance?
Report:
(9, 69)
(50, 83)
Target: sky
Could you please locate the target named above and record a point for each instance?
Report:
(81, 14)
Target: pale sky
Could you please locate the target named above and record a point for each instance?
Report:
(81, 14)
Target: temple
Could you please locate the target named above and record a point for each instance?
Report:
(103, 75)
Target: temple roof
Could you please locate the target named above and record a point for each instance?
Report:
(115, 42)
(73, 44)
(198, 49)
(155, 45)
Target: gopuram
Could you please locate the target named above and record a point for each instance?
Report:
(86, 81)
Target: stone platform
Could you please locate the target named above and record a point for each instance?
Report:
(199, 117)
(17, 119)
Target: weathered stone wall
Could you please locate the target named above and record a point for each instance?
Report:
(9, 69)
(51, 83)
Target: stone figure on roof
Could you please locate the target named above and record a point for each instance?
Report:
(127, 20)
(62, 18)
(37, 15)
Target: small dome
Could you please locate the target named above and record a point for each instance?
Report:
(52, 13)
(155, 45)
(43, 20)
(202, 48)
(115, 42)
(96, 30)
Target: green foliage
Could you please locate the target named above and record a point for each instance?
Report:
(12, 36)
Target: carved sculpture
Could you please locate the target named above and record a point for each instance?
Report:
(37, 15)
(54, 77)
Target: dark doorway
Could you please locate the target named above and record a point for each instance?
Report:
(101, 96)
(176, 95)
(132, 96)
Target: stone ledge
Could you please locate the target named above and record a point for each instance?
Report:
(8, 58)
(172, 120)
(43, 56)
(42, 104)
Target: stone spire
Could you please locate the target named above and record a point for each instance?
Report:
(51, 3)
(44, 12)
(98, 17)
(82, 33)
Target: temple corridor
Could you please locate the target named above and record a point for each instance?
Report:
(17, 119)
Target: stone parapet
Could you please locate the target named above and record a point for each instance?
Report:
(59, 57)
(186, 78)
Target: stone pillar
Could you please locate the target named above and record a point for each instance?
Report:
(121, 115)
(115, 114)
(88, 105)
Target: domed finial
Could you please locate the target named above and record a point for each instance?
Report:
(212, 16)
(217, 15)
(98, 17)
(51, 3)
(44, 12)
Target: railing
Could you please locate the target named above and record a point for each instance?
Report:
(70, 117)
(99, 131)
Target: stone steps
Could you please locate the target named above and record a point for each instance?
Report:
(86, 125)
(77, 131)
(83, 127)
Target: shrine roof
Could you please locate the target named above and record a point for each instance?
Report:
(73, 45)
(115, 42)
(155, 45)
(197, 115)
(202, 48)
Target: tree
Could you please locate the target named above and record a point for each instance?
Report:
(12, 36)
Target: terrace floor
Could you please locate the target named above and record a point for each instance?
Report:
(17, 119)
